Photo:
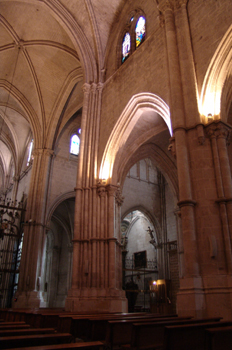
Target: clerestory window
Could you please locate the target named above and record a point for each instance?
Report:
(29, 158)
(134, 35)
(75, 143)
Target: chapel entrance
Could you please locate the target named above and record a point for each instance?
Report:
(149, 240)
(57, 262)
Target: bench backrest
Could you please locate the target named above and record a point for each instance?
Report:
(189, 336)
(145, 335)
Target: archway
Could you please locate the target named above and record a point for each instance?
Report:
(149, 238)
(57, 261)
(139, 144)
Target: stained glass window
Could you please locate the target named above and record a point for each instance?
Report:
(75, 145)
(29, 153)
(126, 46)
(140, 30)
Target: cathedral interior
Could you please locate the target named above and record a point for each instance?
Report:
(115, 155)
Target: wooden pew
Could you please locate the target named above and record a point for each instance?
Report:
(85, 327)
(149, 335)
(29, 331)
(35, 340)
(81, 346)
(189, 336)
(218, 338)
(20, 323)
(119, 332)
(6, 327)
(65, 320)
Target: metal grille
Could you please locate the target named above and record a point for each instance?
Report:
(150, 265)
(10, 249)
(136, 283)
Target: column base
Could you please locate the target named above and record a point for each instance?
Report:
(210, 296)
(26, 300)
(96, 301)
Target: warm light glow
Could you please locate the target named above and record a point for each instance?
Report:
(215, 77)
(210, 104)
(105, 172)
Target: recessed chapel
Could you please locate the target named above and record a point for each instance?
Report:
(116, 155)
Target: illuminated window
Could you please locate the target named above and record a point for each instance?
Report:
(29, 158)
(140, 31)
(134, 35)
(75, 145)
(126, 46)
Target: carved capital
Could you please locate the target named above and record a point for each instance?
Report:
(100, 87)
(48, 152)
(164, 5)
(111, 189)
(119, 197)
(101, 190)
(219, 130)
(93, 88)
(86, 88)
(172, 146)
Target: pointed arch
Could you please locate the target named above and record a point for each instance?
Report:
(138, 105)
(55, 204)
(152, 218)
(219, 70)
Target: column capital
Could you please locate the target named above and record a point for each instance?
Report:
(86, 88)
(119, 197)
(111, 190)
(101, 190)
(164, 5)
(218, 129)
(41, 151)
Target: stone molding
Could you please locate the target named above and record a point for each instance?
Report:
(187, 202)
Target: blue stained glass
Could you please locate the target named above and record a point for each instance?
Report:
(75, 145)
(126, 46)
(140, 30)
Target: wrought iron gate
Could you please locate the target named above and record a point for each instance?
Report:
(11, 238)
(136, 278)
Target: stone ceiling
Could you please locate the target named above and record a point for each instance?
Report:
(47, 47)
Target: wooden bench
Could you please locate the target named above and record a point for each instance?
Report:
(149, 335)
(22, 326)
(87, 345)
(189, 336)
(119, 332)
(81, 325)
(65, 318)
(218, 338)
(29, 331)
(85, 328)
(35, 340)
(20, 323)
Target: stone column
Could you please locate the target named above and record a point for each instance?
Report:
(190, 297)
(95, 257)
(34, 231)
(219, 134)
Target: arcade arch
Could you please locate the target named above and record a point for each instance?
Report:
(57, 255)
